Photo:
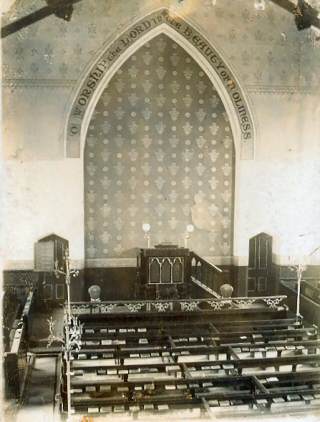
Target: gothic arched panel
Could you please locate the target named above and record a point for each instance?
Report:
(159, 149)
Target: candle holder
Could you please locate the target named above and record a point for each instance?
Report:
(68, 273)
(146, 228)
(189, 230)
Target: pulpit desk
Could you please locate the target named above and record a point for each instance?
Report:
(163, 272)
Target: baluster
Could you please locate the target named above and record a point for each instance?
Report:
(193, 267)
(204, 274)
(199, 270)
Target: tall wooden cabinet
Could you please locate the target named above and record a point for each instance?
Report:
(260, 265)
(49, 255)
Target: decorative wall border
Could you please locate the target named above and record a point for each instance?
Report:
(28, 265)
(38, 83)
(161, 21)
(132, 262)
(236, 261)
(283, 89)
(70, 83)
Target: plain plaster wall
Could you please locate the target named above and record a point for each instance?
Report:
(278, 192)
(42, 197)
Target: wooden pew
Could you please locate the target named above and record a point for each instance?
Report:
(133, 363)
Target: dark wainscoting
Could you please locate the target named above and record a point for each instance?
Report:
(20, 281)
(239, 275)
(285, 271)
(77, 287)
(227, 276)
(119, 283)
(308, 308)
(115, 283)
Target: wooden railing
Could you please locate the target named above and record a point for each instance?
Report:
(310, 291)
(15, 360)
(185, 305)
(204, 274)
(308, 288)
(58, 385)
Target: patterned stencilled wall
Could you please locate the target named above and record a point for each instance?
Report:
(264, 47)
(159, 150)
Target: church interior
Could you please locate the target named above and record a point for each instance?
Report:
(160, 250)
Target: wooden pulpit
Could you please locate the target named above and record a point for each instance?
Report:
(163, 272)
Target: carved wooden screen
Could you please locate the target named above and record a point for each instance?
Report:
(166, 270)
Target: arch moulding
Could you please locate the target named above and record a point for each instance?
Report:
(111, 59)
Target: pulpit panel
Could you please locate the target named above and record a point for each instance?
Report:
(166, 270)
(163, 272)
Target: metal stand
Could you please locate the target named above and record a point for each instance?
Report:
(299, 270)
(186, 238)
(148, 238)
(68, 319)
(68, 369)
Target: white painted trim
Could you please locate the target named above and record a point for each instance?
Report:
(286, 260)
(237, 261)
(247, 148)
(77, 264)
(204, 287)
(28, 265)
(132, 262)
(204, 64)
(194, 53)
(18, 265)
(111, 263)
(164, 28)
(108, 263)
(240, 261)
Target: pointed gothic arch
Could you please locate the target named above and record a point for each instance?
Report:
(111, 58)
(159, 131)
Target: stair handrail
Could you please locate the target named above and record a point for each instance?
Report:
(210, 264)
(204, 280)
